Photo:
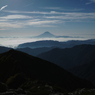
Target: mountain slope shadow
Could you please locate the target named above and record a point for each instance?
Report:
(85, 71)
(69, 57)
(14, 62)
(87, 68)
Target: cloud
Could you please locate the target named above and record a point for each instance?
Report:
(53, 8)
(10, 25)
(42, 22)
(24, 19)
(3, 7)
(59, 8)
(73, 16)
(26, 12)
(15, 17)
(90, 2)
(39, 12)
(18, 24)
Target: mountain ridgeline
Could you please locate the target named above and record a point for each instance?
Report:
(39, 44)
(4, 49)
(55, 67)
(69, 57)
(79, 60)
(55, 44)
(35, 51)
(45, 35)
(16, 68)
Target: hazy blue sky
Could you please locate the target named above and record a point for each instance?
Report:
(60, 17)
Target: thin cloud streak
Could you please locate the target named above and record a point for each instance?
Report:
(48, 13)
(36, 12)
(91, 1)
(3, 7)
(27, 12)
(73, 16)
(60, 15)
(59, 8)
(53, 8)
(24, 24)
(16, 17)
(10, 25)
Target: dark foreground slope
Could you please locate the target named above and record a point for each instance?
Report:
(69, 57)
(86, 71)
(13, 63)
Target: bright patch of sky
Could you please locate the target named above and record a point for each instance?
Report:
(20, 18)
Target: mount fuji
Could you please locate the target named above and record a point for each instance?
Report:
(50, 35)
(45, 35)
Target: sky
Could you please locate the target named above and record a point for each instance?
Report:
(25, 18)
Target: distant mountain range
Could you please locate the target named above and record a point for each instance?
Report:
(4, 49)
(35, 51)
(79, 60)
(69, 57)
(39, 44)
(50, 35)
(38, 47)
(55, 67)
(19, 69)
(56, 44)
(30, 51)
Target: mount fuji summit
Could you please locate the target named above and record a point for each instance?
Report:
(46, 35)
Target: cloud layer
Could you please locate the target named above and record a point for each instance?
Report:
(22, 19)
